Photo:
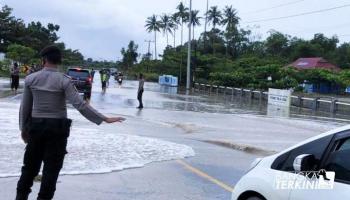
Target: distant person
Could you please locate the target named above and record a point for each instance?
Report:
(15, 77)
(103, 80)
(140, 91)
(108, 74)
(92, 74)
(120, 78)
(45, 126)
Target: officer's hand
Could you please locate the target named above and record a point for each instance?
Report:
(114, 119)
(25, 137)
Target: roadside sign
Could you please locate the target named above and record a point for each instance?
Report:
(279, 102)
(279, 97)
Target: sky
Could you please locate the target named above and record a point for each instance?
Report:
(100, 28)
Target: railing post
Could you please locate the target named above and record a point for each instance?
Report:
(242, 92)
(250, 94)
(300, 100)
(333, 108)
(315, 104)
(261, 96)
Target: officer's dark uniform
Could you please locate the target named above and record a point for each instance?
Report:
(140, 92)
(43, 115)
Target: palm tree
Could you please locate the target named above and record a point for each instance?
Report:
(176, 22)
(167, 26)
(214, 16)
(231, 19)
(153, 25)
(195, 21)
(183, 15)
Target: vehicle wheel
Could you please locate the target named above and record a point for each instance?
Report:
(254, 198)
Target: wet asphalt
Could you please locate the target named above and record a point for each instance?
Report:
(169, 116)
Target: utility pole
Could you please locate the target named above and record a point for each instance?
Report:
(149, 47)
(188, 80)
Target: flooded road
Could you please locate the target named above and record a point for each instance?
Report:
(172, 126)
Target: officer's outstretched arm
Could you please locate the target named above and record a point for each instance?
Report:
(84, 107)
(81, 105)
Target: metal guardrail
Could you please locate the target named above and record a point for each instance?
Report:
(298, 101)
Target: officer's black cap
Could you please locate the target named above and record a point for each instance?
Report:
(52, 54)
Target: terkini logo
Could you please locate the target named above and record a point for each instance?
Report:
(309, 180)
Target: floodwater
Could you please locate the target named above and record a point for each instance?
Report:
(168, 112)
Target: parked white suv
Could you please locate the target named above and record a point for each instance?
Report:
(285, 176)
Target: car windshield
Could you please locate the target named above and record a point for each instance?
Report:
(78, 74)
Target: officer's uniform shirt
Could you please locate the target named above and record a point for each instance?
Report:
(141, 84)
(45, 95)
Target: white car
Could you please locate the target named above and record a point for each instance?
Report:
(294, 174)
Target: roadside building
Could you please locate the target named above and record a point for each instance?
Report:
(317, 63)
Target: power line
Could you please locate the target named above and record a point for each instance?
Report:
(297, 15)
(271, 8)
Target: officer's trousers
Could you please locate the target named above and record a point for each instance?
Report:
(139, 98)
(47, 144)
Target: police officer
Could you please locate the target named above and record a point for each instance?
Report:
(44, 124)
(140, 91)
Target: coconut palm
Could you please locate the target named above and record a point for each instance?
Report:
(175, 22)
(183, 16)
(195, 20)
(231, 21)
(214, 16)
(230, 18)
(166, 25)
(153, 25)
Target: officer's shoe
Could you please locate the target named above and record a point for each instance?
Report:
(22, 196)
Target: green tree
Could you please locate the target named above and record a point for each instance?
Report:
(342, 57)
(195, 20)
(277, 44)
(183, 14)
(328, 45)
(153, 25)
(20, 53)
(176, 22)
(129, 55)
(231, 21)
(214, 16)
(166, 25)
(12, 30)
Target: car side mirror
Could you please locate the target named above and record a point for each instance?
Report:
(304, 162)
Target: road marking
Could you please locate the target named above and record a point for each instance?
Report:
(205, 175)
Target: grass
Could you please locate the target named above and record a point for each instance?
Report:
(4, 73)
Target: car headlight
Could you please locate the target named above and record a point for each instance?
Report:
(254, 164)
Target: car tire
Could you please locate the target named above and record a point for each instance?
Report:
(254, 198)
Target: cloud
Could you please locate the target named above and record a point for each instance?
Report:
(100, 28)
